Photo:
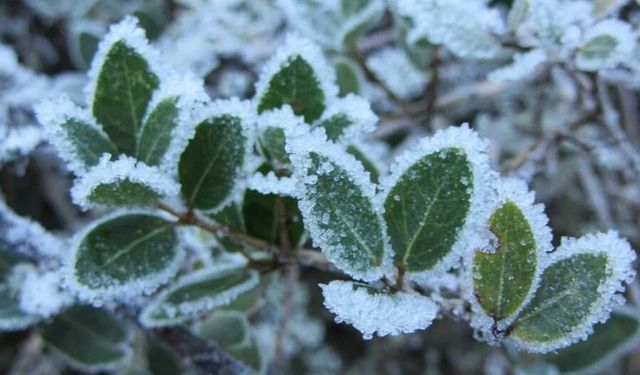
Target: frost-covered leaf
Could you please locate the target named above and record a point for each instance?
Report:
(41, 291)
(124, 76)
(374, 312)
(213, 159)
(348, 76)
(197, 293)
(125, 181)
(260, 212)
(347, 119)
(274, 127)
(89, 339)
(463, 27)
(123, 255)
(433, 199)
(155, 134)
(367, 164)
(609, 341)
(605, 45)
(504, 280)
(78, 138)
(336, 200)
(393, 68)
(577, 290)
(300, 76)
(230, 330)
(12, 317)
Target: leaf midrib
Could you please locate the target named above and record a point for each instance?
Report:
(133, 244)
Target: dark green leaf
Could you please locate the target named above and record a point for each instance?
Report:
(123, 90)
(502, 280)
(564, 300)
(295, 84)
(88, 143)
(196, 293)
(272, 146)
(155, 134)
(261, 214)
(123, 192)
(89, 339)
(210, 164)
(130, 253)
(427, 207)
(335, 125)
(609, 342)
(347, 77)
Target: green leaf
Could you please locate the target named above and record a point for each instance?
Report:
(123, 193)
(336, 203)
(566, 295)
(427, 206)
(272, 147)
(197, 293)
(347, 77)
(12, 318)
(261, 214)
(335, 125)
(608, 343)
(210, 164)
(230, 330)
(87, 142)
(89, 339)
(598, 48)
(368, 165)
(231, 217)
(126, 255)
(503, 280)
(124, 87)
(295, 83)
(155, 134)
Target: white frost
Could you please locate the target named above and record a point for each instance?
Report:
(41, 293)
(392, 66)
(625, 40)
(378, 314)
(358, 111)
(524, 66)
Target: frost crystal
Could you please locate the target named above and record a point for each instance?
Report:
(393, 68)
(462, 26)
(271, 184)
(376, 313)
(40, 293)
(125, 168)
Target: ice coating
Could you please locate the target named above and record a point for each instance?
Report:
(524, 66)
(40, 292)
(358, 111)
(378, 314)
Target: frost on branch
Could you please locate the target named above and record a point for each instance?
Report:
(376, 313)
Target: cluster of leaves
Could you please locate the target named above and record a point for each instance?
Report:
(263, 178)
